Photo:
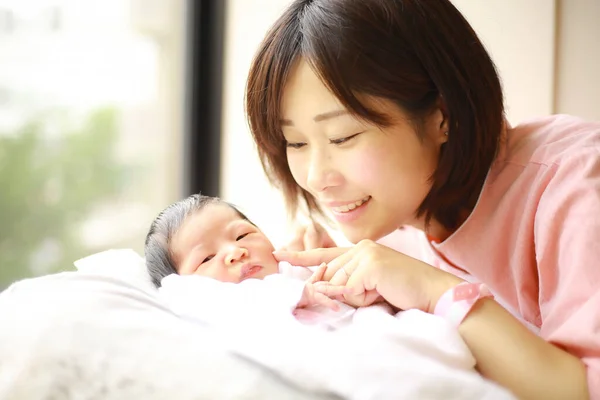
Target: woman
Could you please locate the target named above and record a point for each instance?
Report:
(389, 115)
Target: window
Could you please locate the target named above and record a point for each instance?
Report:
(91, 127)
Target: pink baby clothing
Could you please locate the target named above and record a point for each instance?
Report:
(317, 316)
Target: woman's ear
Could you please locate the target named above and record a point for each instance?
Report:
(440, 125)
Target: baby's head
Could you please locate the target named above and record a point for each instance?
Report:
(206, 236)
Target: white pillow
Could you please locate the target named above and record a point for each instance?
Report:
(122, 264)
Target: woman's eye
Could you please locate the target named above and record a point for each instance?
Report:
(344, 139)
(242, 236)
(296, 145)
(207, 259)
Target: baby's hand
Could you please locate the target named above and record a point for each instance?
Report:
(319, 293)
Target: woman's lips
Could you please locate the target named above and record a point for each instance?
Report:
(347, 215)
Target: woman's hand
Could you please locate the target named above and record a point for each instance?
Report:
(369, 270)
(308, 237)
(320, 293)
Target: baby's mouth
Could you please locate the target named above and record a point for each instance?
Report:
(249, 270)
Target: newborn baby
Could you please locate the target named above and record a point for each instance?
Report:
(203, 236)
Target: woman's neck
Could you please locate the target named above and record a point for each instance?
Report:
(437, 232)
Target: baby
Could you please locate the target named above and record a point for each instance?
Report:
(208, 237)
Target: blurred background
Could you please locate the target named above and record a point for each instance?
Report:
(110, 110)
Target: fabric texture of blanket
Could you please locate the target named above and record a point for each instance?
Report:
(411, 355)
(81, 336)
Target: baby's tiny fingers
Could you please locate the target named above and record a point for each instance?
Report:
(323, 300)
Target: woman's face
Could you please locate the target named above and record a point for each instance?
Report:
(371, 179)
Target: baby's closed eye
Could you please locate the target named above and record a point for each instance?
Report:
(240, 237)
(207, 259)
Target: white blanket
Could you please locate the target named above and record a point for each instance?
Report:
(77, 336)
(412, 355)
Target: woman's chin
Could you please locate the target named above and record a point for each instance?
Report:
(356, 234)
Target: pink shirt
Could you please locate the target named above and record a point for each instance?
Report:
(534, 236)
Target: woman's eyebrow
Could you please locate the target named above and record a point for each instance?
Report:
(319, 117)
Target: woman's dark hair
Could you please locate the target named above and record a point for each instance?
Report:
(419, 54)
(157, 249)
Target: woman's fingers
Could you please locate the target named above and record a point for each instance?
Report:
(341, 276)
(341, 268)
(318, 274)
(360, 288)
(329, 290)
(309, 258)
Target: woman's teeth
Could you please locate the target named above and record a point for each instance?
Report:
(351, 206)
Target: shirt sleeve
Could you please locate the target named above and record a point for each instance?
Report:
(567, 237)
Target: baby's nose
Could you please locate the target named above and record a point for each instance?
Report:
(235, 254)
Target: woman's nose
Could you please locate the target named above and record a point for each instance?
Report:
(321, 174)
(235, 254)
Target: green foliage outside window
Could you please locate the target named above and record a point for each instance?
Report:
(49, 184)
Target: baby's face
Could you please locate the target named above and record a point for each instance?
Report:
(216, 242)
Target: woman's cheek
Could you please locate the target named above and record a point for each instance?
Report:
(298, 168)
(364, 166)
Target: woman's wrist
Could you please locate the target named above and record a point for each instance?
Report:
(457, 302)
(441, 283)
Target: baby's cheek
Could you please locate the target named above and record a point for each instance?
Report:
(221, 275)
